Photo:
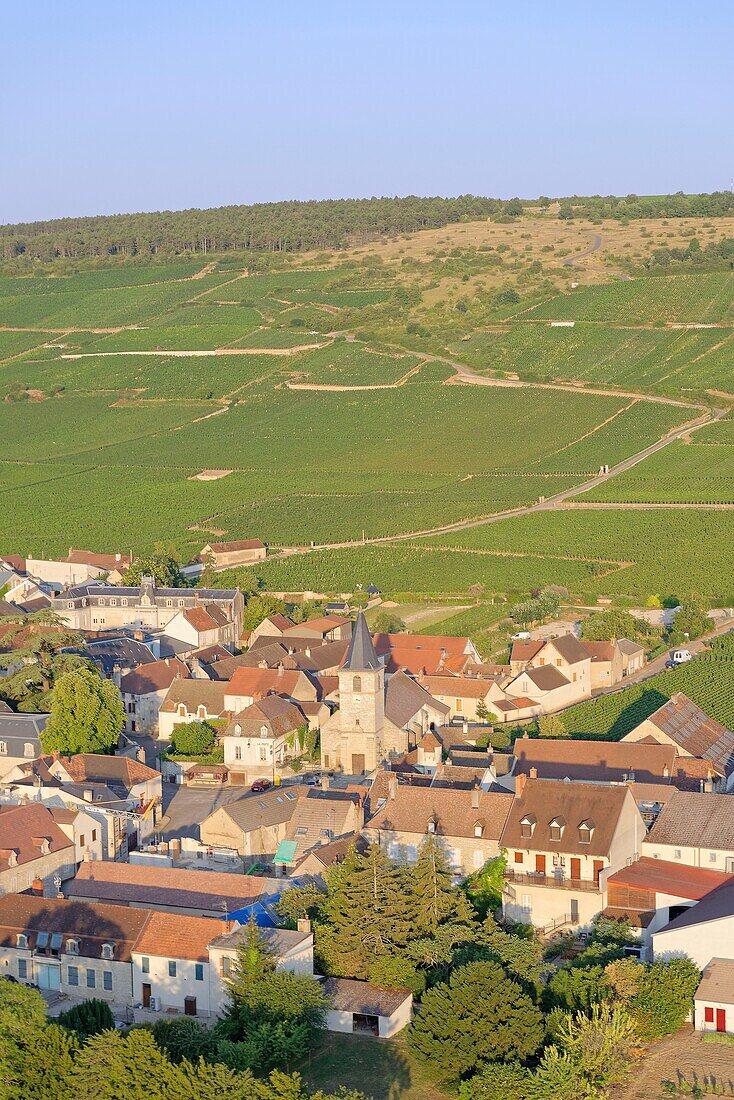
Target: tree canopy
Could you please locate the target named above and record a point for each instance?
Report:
(479, 1015)
(87, 714)
(162, 565)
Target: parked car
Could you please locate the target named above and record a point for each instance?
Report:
(260, 785)
(313, 779)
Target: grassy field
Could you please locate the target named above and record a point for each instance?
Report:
(102, 402)
(382, 1070)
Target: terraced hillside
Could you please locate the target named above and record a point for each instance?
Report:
(379, 394)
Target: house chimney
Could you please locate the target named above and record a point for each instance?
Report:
(533, 773)
(324, 782)
(476, 792)
(520, 785)
(281, 668)
(392, 786)
(465, 728)
(37, 887)
(304, 925)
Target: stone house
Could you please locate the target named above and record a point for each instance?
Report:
(33, 848)
(20, 739)
(192, 700)
(681, 723)
(95, 606)
(694, 829)
(704, 931)
(227, 555)
(143, 691)
(461, 694)
(82, 950)
(468, 823)
(203, 626)
(256, 825)
(249, 685)
(259, 739)
(78, 567)
(562, 840)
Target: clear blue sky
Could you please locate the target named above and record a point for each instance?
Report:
(161, 104)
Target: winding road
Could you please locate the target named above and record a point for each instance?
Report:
(574, 261)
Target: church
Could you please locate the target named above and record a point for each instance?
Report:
(375, 720)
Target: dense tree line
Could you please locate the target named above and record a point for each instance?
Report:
(324, 224)
(274, 227)
(718, 204)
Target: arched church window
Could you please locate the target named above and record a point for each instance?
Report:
(357, 683)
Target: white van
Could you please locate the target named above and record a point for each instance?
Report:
(682, 656)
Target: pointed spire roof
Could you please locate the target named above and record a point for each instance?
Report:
(361, 656)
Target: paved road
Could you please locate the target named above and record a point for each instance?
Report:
(573, 261)
(658, 665)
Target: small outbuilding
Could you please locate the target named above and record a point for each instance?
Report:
(714, 999)
(365, 1009)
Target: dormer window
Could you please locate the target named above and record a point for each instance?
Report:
(3, 748)
(108, 950)
(182, 710)
(100, 602)
(201, 711)
(431, 825)
(263, 731)
(478, 828)
(557, 825)
(182, 603)
(22, 941)
(70, 605)
(72, 947)
(29, 749)
(238, 730)
(123, 601)
(527, 825)
(586, 831)
(169, 603)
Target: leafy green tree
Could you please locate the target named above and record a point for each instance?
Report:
(508, 1081)
(559, 1078)
(664, 997)
(183, 1037)
(88, 1018)
(87, 714)
(193, 738)
(299, 902)
(110, 1066)
(692, 620)
(484, 886)
(386, 622)
(603, 626)
(258, 608)
(599, 1044)
(478, 1016)
(270, 1018)
(162, 565)
(33, 642)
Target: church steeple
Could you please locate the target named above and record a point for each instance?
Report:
(361, 656)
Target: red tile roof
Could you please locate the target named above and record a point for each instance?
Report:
(670, 878)
(230, 547)
(157, 676)
(176, 936)
(23, 828)
(418, 653)
(257, 682)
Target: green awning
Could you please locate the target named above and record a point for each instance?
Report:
(286, 852)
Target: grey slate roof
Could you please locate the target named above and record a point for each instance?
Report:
(719, 903)
(348, 995)
(405, 697)
(696, 733)
(361, 656)
(695, 820)
(16, 730)
(717, 983)
(124, 652)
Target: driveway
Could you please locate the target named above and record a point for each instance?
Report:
(186, 807)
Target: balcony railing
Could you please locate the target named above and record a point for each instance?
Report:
(556, 881)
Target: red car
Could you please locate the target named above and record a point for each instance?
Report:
(260, 785)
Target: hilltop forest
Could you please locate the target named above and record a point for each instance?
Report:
(301, 226)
